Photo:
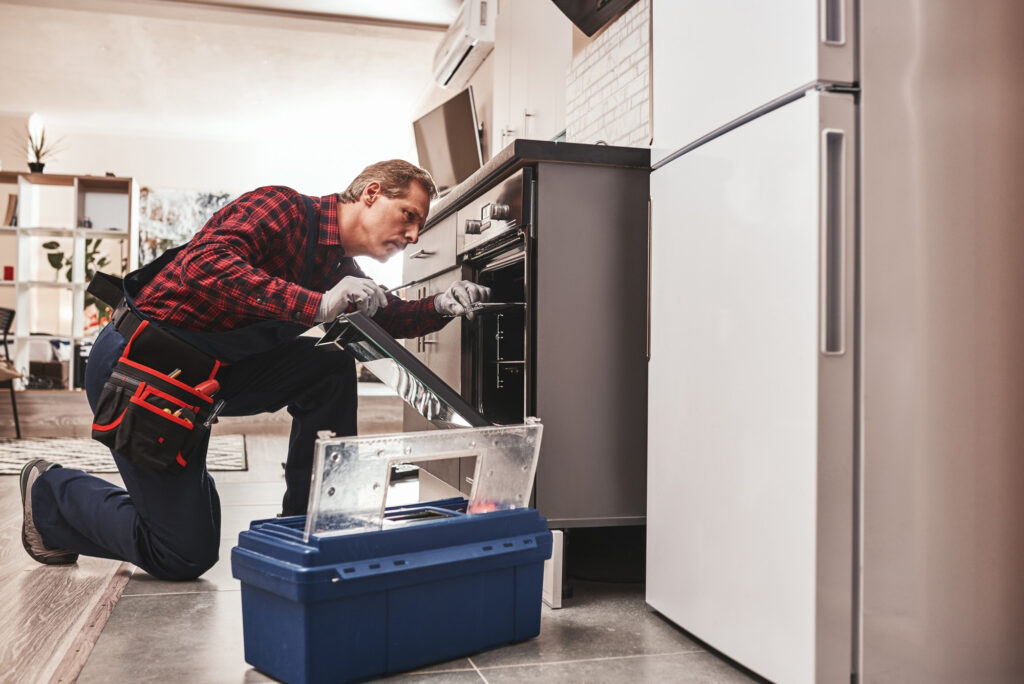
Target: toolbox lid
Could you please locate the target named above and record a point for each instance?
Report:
(397, 368)
(351, 475)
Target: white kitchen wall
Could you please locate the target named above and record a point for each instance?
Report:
(199, 97)
(207, 98)
(608, 87)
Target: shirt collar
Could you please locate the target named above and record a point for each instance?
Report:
(329, 233)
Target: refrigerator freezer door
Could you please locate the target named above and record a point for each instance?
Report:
(716, 61)
(750, 458)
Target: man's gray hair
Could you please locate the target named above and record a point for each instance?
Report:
(394, 177)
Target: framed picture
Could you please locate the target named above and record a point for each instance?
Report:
(168, 218)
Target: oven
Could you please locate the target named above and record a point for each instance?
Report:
(550, 236)
(496, 354)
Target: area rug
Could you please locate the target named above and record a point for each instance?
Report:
(227, 452)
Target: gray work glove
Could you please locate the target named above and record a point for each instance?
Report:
(362, 294)
(456, 299)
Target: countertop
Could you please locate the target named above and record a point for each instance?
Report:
(521, 153)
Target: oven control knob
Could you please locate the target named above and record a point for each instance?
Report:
(473, 226)
(500, 212)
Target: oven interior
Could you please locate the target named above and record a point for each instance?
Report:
(500, 376)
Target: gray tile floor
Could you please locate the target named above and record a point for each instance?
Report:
(192, 631)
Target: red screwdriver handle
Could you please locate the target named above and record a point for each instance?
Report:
(208, 387)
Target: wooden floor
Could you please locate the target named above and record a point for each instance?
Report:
(50, 617)
(58, 413)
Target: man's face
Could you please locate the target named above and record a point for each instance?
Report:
(390, 224)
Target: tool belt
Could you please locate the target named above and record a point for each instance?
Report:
(154, 408)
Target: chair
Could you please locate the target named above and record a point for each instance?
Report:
(6, 318)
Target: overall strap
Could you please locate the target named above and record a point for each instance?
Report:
(312, 239)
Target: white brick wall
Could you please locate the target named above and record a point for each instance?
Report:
(608, 92)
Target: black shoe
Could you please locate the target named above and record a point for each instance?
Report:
(30, 536)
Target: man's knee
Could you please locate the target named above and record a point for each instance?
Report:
(184, 565)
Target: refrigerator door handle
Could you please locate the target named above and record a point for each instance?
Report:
(832, 241)
(650, 209)
(833, 22)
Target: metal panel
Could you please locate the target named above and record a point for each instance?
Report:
(750, 491)
(591, 366)
(943, 246)
(715, 61)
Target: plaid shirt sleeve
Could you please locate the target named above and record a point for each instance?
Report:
(230, 263)
(406, 318)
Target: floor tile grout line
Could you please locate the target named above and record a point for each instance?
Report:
(477, 670)
(586, 660)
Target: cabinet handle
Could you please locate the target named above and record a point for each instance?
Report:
(422, 253)
(833, 230)
(425, 341)
(833, 22)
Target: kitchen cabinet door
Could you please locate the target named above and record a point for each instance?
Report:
(751, 397)
(532, 51)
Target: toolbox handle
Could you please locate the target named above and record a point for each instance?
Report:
(420, 560)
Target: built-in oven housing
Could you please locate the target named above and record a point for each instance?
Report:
(565, 241)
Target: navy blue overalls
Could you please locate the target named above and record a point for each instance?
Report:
(169, 524)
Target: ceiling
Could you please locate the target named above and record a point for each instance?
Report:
(437, 13)
(190, 68)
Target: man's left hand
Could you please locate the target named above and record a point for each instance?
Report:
(456, 299)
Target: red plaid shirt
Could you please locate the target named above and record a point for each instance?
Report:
(244, 265)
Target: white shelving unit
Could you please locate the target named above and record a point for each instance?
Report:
(54, 208)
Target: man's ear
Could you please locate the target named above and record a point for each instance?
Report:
(371, 192)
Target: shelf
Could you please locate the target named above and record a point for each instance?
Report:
(56, 214)
(52, 285)
(92, 183)
(41, 230)
(87, 233)
(111, 233)
(48, 338)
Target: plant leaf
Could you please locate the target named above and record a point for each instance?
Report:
(52, 244)
(56, 259)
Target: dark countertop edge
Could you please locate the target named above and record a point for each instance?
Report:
(523, 152)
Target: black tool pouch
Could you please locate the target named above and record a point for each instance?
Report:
(145, 414)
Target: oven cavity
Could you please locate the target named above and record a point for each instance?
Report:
(501, 344)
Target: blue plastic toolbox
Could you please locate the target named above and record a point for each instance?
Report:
(433, 585)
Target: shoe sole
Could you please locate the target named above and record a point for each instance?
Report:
(22, 480)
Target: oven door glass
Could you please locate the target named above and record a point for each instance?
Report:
(397, 368)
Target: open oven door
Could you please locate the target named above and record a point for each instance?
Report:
(397, 368)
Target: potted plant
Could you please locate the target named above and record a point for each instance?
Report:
(39, 147)
(94, 261)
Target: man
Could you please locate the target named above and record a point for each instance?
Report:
(237, 297)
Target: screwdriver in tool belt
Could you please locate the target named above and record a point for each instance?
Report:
(208, 387)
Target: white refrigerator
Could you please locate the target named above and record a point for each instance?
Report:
(835, 441)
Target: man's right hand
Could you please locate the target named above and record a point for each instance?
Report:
(364, 295)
